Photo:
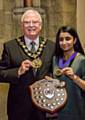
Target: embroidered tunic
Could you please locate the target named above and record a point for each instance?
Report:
(75, 107)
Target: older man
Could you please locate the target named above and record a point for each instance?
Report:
(18, 69)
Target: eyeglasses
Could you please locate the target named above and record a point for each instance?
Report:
(27, 23)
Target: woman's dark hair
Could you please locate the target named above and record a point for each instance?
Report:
(72, 32)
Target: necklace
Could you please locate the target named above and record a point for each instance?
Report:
(30, 53)
(62, 64)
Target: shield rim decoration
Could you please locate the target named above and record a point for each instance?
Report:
(49, 95)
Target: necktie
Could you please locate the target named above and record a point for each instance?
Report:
(32, 46)
(33, 50)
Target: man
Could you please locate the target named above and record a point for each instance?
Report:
(18, 68)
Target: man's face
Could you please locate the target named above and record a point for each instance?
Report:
(31, 25)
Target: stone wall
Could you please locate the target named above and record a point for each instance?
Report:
(81, 20)
(59, 12)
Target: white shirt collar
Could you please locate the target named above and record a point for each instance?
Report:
(28, 41)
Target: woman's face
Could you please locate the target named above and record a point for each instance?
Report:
(66, 41)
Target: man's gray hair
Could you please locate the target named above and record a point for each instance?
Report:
(31, 11)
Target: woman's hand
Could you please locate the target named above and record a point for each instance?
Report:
(68, 71)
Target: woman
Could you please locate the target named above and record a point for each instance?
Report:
(69, 66)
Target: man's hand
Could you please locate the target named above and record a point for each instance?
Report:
(48, 78)
(25, 65)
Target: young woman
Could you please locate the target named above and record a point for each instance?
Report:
(69, 66)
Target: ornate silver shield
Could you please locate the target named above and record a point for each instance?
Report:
(49, 95)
